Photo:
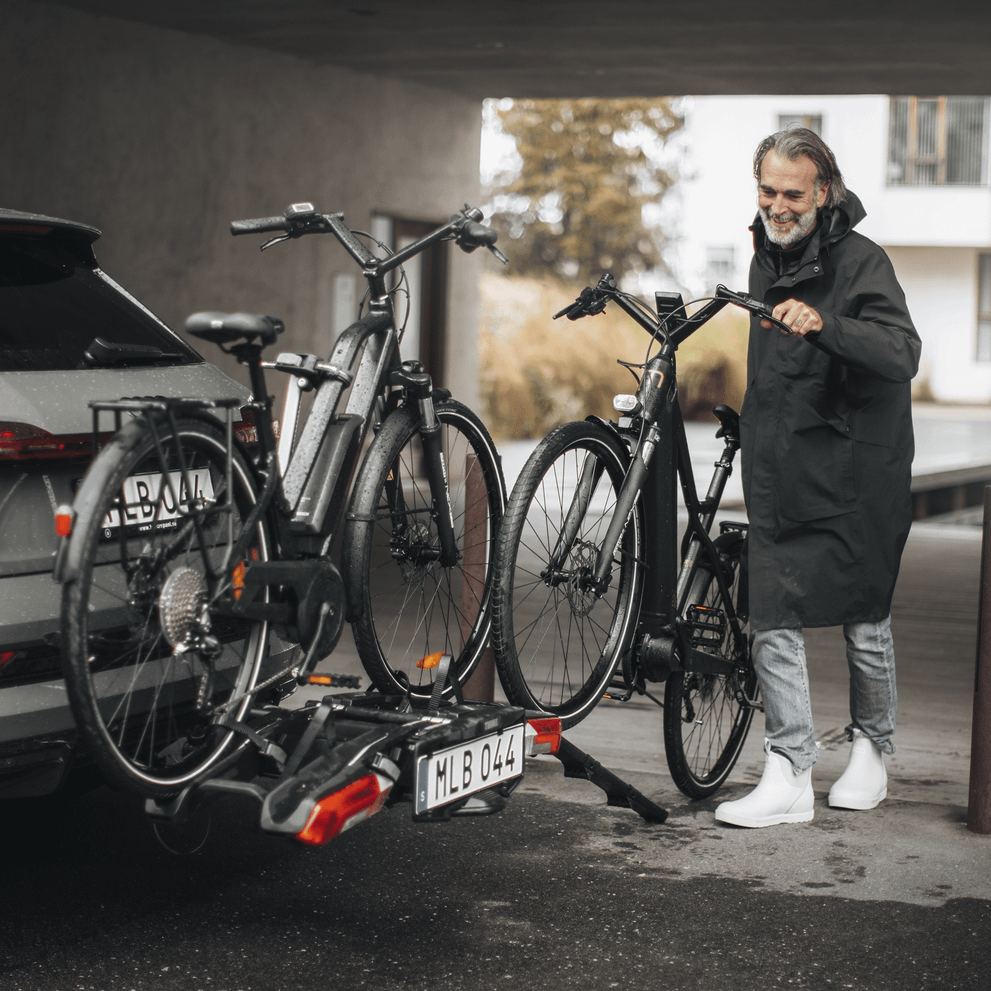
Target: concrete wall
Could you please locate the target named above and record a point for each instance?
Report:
(160, 139)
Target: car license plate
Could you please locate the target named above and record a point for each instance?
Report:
(447, 775)
(150, 506)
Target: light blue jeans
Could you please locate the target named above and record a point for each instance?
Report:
(779, 659)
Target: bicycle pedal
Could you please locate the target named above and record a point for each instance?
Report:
(618, 691)
(706, 627)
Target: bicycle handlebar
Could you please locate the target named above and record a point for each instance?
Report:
(593, 300)
(302, 218)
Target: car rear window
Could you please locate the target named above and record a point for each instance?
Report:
(53, 305)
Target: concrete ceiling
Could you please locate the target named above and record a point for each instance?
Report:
(610, 48)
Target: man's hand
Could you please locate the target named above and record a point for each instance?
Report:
(795, 314)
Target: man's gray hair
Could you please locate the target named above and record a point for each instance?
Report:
(794, 142)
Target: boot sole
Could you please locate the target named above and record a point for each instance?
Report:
(758, 822)
(857, 804)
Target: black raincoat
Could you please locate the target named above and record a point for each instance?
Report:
(827, 440)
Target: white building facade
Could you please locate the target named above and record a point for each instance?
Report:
(920, 167)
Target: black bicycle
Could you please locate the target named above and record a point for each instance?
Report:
(590, 599)
(197, 570)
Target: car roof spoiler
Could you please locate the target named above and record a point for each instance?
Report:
(17, 222)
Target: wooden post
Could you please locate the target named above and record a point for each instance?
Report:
(478, 542)
(979, 798)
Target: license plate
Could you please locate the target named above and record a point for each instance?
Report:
(148, 505)
(447, 775)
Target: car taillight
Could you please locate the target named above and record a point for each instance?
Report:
(25, 442)
(6, 656)
(346, 807)
(543, 736)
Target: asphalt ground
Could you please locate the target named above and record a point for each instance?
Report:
(559, 890)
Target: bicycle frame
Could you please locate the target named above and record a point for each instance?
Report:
(659, 460)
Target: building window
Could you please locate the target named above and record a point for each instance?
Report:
(983, 351)
(937, 141)
(812, 121)
(720, 265)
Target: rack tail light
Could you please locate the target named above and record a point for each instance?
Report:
(345, 808)
(542, 736)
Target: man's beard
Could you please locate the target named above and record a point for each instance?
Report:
(803, 226)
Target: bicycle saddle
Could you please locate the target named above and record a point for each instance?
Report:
(730, 421)
(220, 328)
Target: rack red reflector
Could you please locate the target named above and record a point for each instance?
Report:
(543, 736)
(345, 808)
(63, 521)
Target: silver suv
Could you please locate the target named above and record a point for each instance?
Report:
(68, 334)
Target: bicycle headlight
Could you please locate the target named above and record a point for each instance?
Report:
(626, 404)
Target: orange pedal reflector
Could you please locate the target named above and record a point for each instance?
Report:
(430, 661)
(237, 579)
(319, 679)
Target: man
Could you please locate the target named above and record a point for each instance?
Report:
(827, 448)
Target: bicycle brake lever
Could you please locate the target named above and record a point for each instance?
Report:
(275, 240)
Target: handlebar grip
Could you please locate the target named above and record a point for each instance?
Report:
(745, 300)
(259, 225)
(479, 233)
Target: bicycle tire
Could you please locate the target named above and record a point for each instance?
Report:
(133, 695)
(557, 644)
(704, 725)
(402, 603)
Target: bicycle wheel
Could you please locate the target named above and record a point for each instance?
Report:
(147, 654)
(403, 604)
(704, 724)
(557, 641)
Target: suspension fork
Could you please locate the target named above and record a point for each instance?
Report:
(591, 472)
(419, 387)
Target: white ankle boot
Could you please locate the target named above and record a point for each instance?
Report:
(864, 783)
(781, 796)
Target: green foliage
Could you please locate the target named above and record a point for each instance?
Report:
(575, 208)
(537, 373)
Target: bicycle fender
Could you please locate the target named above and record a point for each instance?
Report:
(610, 428)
